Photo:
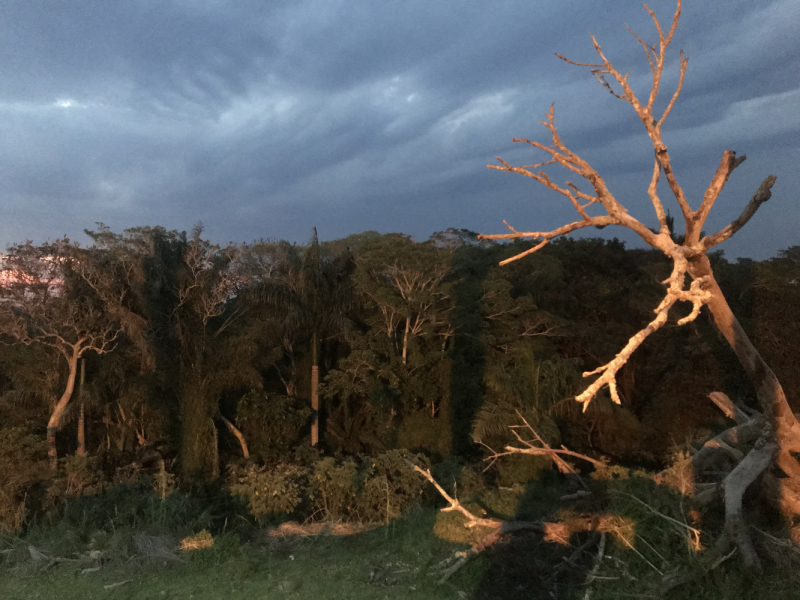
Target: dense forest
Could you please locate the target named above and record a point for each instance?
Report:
(152, 342)
(301, 379)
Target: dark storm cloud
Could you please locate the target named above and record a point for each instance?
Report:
(265, 119)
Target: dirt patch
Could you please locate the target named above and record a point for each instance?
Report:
(293, 528)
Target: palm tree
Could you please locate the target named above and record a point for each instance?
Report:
(314, 296)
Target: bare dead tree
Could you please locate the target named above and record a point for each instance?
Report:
(689, 258)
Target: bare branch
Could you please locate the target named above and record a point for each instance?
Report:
(472, 520)
(684, 64)
(579, 64)
(546, 236)
(763, 194)
(726, 166)
(675, 292)
(598, 74)
(652, 191)
(648, 49)
(735, 484)
(543, 450)
(731, 410)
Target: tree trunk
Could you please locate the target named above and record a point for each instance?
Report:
(314, 391)
(198, 435)
(405, 340)
(58, 410)
(771, 396)
(239, 436)
(82, 415)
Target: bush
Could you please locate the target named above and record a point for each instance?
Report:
(335, 488)
(520, 468)
(379, 489)
(23, 463)
(391, 487)
(269, 490)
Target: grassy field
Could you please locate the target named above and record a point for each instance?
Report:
(398, 560)
(390, 562)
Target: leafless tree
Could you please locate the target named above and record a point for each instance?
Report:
(599, 207)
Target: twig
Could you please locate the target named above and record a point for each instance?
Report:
(601, 549)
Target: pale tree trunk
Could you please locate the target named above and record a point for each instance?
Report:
(314, 392)
(82, 415)
(239, 436)
(405, 340)
(771, 396)
(59, 408)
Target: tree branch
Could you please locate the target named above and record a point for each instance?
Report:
(472, 520)
(763, 194)
(735, 484)
(675, 292)
(726, 166)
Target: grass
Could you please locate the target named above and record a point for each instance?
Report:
(395, 561)
(390, 562)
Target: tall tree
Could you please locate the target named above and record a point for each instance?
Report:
(689, 257)
(176, 297)
(407, 283)
(41, 304)
(314, 295)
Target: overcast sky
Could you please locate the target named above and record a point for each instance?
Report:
(263, 119)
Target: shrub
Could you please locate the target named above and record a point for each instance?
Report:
(83, 475)
(391, 487)
(23, 463)
(335, 488)
(269, 490)
(520, 468)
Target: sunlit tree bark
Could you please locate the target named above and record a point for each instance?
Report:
(599, 207)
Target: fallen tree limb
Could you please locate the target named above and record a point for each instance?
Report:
(744, 433)
(472, 520)
(747, 429)
(544, 449)
(593, 573)
(731, 410)
(735, 485)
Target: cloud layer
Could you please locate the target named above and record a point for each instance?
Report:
(265, 119)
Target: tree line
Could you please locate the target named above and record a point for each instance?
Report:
(153, 340)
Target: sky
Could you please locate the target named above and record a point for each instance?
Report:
(265, 119)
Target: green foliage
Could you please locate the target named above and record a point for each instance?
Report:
(376, 489)
(391, 487)
(335, 488)
(269, 490)
(271, 423)
(23, 463)
(421, 431)
(519, 468)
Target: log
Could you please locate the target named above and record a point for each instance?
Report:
(739, 434)
(735, 485)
